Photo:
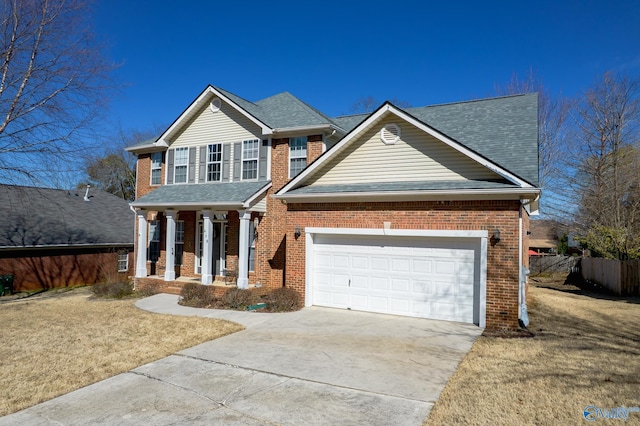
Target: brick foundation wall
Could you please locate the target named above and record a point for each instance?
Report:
(502, 259)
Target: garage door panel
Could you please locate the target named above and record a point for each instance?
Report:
(379, 283)
(400, 264)
(421, 266)
(421, 287)
(420, 277)
(379, 263)
(358, 281)
(360, 262)
(400, 285)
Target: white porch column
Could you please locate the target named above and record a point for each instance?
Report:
(141, 258)
(243, 256)
(170, 271)
(207, 247)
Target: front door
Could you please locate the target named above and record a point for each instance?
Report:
(218, 255)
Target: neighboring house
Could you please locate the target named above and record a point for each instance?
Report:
(543, 240)
(418, 211)
(57, 238)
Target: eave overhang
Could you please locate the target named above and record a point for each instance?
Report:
(399, 196)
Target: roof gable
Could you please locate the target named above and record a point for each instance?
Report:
(226, 124)
(338, 153)
(416, 156)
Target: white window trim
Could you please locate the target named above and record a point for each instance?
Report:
(291, 157)
(207, 162)
(155, 168)
(124, 253)
(256, 159)
(175, 165)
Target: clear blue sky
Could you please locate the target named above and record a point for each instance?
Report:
(331, 53)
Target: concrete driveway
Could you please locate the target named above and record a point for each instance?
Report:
(315, 366)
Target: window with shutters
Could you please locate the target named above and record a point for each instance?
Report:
(250, 152)
(181, 165)
(156, 168)
(297, 155)
(214, 162)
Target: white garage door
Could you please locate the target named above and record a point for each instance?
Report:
(413, 276)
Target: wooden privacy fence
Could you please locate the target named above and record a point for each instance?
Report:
(622, 277)
(552, 265)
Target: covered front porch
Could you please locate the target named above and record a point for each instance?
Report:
(199, 233)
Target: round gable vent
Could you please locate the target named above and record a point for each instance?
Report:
(390, 134)
(215, 105)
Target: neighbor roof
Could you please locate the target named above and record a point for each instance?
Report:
(42, 217)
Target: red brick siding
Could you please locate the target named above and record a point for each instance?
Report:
(44, 269)
(314, 148)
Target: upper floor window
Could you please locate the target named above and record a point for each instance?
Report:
(214, 162)
(250, 152)
(181, 165)
(156, 168)
(297, 155)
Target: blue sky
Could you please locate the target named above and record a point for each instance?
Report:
(331, 53)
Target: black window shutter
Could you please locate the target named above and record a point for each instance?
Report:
(226, 154)
(192, 165)
(203, 165)
(262, 163)
(170, 166)
(237, 161)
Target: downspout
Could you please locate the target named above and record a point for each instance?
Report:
(523, 315)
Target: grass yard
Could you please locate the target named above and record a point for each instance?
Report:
(586, 351)
(61, 341)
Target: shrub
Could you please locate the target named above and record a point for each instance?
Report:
(283, 299)
(146, 290)
(237, 298)
(197, 295)
(113, 290)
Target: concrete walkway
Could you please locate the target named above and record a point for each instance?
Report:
(314, 366)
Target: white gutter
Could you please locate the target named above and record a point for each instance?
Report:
(324, 128)
(505, 194)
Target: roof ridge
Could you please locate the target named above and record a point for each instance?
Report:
(469, 101)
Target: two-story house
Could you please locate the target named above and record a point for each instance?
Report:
(418, 211)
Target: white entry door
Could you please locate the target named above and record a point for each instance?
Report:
(413, 276)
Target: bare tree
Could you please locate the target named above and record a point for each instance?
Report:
(53, 82)
(603, 163)
(115, 170)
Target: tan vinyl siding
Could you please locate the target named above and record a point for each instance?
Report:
(417, 156)
(226, 125)
(260, 206)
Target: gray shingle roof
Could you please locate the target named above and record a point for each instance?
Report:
(231, 194)
(285, 110)
(53, 217)
(504, 130)
(401, 186)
